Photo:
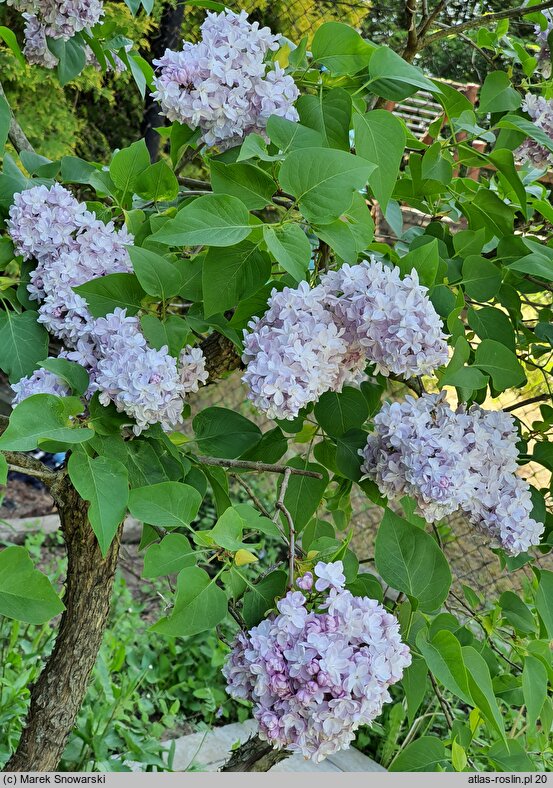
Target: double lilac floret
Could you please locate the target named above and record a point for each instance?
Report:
(71, 247)
(448, 460)
(315, 340)
(319, 668)
(222, 85)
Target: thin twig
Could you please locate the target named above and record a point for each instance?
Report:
(22, 463)
(443, 703)
(280, 507)
(523, 403)
(258, 467)
(486, 19)
(251, 494)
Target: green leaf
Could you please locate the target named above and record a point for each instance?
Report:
(338, 412)
(352, 233)
(393, 78)
(536, 264)
(348, 459)
(157, 275)
(505, 163)
(329, 114)
(168, 504)
(249, 183)
(43, 417)
(340, 49)
(481, 278)
(444, 658)
(304, 493)
(25, 593)
(425, 260)
(9, 38)
(414, 685)
(290, 247)
(199, 605)
(23, 343)
(171, 555)
(104, 482)
(174, 332)
(529, 128)
(287, 135)
(534, 687)
(261, 597)
(323, 181)
(481, 688)
(492, 323)
(3, 470)
(127, 164)
(544, 598)
(272, 446)
(214, 220)
(71, 56)
(157, 183)
(511, 757)
(517, 613)
(380, 138)
(230, 275)
(422, 755)
(106, 293)
(73, 374)
(499, 362)
(409, 560)
(497, 94)
(227, 532)
(224, 433)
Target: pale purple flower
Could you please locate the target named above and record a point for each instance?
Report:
(42, 381)
(541, 114)
(329, 576)
(448, 460)
(223, 84)
(311, 694)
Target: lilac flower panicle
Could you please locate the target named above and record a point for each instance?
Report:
(57, 19)
(448, 460)
(541, 114)
(71, 247)
(42, 381)
(296, 352)
(315, 340)
(390, 318)
(318, 668)
(222, 84)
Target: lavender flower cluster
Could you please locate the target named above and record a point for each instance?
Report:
(315, 340)
(319, 668)
(58, 19)
(448, 460)
(71, 247)
(541, 113)
(222, 84)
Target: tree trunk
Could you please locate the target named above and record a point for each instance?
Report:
(254, 756)
(167, 38)
(61, 687)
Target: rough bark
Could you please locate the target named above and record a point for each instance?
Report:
(254, 756)
(166, 38)
(61, 687)
(221, 356)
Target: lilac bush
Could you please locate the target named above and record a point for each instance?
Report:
(320, 667)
